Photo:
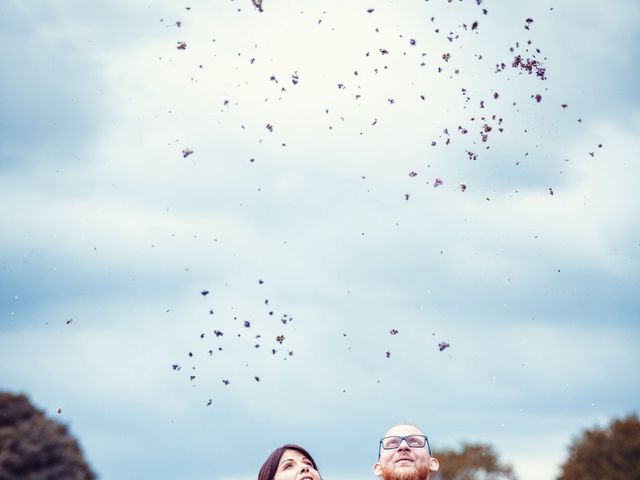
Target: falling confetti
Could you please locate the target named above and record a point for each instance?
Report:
(480, 123)
(257, 4)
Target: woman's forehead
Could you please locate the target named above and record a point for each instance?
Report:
(293, 454)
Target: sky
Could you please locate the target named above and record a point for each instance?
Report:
(225, 229)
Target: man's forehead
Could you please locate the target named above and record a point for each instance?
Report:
(401, 430)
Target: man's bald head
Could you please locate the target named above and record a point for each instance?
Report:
(405, 455)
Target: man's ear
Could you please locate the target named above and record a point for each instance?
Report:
(377, 469)
(434, 464)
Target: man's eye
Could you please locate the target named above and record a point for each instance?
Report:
(416, 441)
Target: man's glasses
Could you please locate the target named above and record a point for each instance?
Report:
(412, 441)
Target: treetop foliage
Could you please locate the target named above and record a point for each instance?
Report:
(471, 462)
(612, 452)
(33, 447)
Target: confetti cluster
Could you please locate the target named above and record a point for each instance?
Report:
(214, 342)
(486, 111)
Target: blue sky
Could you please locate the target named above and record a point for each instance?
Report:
(105, 223)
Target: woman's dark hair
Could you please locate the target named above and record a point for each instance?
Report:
(270, 465)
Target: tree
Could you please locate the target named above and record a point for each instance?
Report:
(612, 453)
(472, 462)
(32, 447)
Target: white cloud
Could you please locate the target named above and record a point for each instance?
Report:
(122, 233)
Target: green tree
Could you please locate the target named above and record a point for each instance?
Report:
(612, 453)
(471, 462)
(32, 447)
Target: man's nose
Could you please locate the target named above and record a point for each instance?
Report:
(406, 445)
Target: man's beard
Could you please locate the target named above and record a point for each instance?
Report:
(418, 473)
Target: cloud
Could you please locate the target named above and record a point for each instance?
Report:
(51, 90)
(107, 224)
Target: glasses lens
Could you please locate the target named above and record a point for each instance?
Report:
(415, 441)
(391, 442)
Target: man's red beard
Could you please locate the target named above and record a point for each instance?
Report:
(419, 473)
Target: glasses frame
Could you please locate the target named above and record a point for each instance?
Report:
(426, 443)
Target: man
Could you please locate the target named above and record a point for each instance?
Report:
(404, 454)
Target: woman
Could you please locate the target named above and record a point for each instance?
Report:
(289, 462)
